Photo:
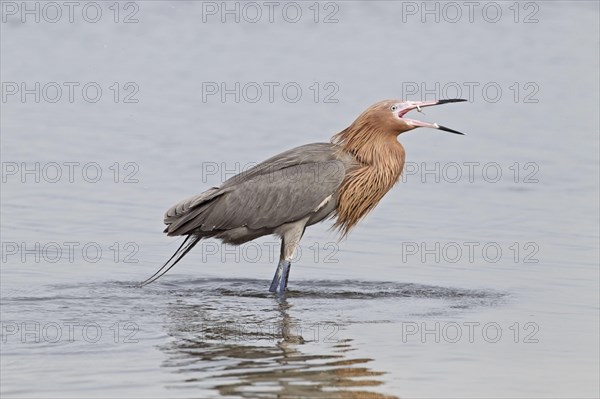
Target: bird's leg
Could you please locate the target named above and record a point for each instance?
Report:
(277, 277)
(282, 273)
(290, 238)
(288, 250)
(284, 277)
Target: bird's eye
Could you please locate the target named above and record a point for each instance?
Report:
(394, 108)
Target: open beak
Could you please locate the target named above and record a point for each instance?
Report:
(410, 105)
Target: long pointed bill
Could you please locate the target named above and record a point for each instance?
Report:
(410, 105)
(431, 125)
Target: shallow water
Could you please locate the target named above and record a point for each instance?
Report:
(477, 285)
(228, 335)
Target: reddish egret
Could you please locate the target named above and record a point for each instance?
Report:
(344, 179)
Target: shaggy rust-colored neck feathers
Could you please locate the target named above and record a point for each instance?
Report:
(372, 140)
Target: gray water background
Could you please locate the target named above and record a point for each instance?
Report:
(209, 328)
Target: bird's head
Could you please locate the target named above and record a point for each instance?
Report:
(389, 115)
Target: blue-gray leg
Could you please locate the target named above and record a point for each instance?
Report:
(280, 279)
(284, 277)
(276, 277)
(290, 233)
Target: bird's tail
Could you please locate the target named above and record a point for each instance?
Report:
(185, 247)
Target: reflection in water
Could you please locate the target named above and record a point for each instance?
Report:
(250, 357)
(231, 336)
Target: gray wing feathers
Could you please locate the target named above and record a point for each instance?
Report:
(273, 199)
(184, 206)
(283, 189)
(185, 210)
(309, 153)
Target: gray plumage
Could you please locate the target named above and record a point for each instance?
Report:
(288, 187)
(281, 196)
